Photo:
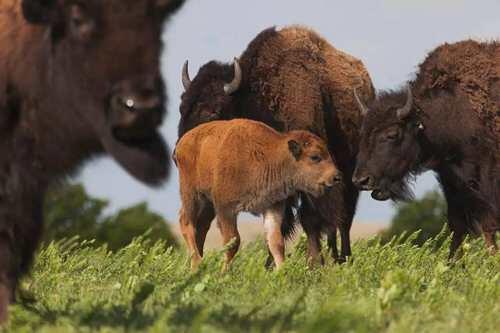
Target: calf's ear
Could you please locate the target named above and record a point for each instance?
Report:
(295, 149)
(38, 11)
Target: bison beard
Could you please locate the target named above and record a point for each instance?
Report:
(397, 191)
(65, 85)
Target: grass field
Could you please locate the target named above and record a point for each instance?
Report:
(387, 288)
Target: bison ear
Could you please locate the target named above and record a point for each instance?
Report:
(38, 11)
(168, 6)
(295, 149)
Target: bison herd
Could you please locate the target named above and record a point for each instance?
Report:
(82, 78)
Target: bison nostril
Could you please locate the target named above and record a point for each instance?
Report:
(337, 179)
(129, 103)
(133, 104)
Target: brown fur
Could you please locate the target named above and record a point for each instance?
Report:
(293, 79)
(68, 69)
(451, 129)
(471, 69)
(242, 165)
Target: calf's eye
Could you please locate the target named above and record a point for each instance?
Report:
(316, 158)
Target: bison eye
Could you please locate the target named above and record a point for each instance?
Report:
(392, 135)
(316, 158)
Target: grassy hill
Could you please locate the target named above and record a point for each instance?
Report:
(143, 287)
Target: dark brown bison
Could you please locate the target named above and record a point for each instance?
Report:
(449, 122)
(243, 165)
(291, 79)
(77, 78)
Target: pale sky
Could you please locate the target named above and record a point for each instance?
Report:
(391, 37)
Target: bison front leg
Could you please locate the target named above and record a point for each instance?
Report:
(273, 219)
(338, 207)
(312, 224)
(489, 227)
(8, 273)
(345, 217)
(20, 230)
(458, 219)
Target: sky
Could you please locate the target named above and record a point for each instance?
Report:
(391, 37)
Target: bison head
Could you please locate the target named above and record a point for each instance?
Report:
(316, 172)
(389, 148)
(210, 95)
(103, 63)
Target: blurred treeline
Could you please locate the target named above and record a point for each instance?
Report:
(70, 211)
(427, 214)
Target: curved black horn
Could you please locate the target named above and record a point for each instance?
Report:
(406, 110)
(230, 88)
(186, 81)
(361, 105)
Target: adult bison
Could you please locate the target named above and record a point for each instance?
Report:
(291, 79)
(448, 122)
(77, 78)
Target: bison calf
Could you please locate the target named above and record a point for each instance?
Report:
(227, 167)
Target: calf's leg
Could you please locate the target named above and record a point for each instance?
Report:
(230, 235)
(273, 218)
(188, 230)
(205, 217)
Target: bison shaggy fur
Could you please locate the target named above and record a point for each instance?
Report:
(77, 79)
(292, 79)
(448, 122)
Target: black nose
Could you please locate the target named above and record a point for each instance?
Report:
(363, 182)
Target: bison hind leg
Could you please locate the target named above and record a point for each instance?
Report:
(227, 223)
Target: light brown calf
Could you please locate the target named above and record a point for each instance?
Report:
(227, 167)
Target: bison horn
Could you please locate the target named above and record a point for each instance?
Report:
(230, 88)
(186, 81)
(406, 110)
(362, 106)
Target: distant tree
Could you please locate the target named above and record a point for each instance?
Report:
(119, 230)
(427, 214)
(70, 211)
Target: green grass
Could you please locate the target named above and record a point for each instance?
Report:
(395, 287)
